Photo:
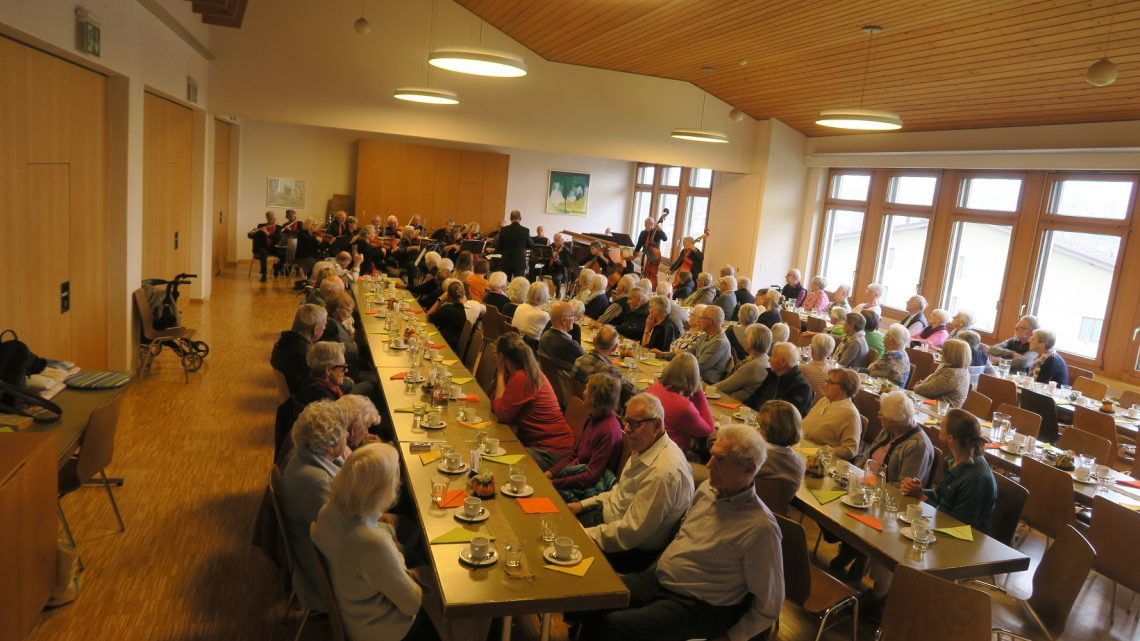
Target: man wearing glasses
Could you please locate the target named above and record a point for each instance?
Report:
(635, 519)
(1017, 348)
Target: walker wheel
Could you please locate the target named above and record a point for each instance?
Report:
(191, 361)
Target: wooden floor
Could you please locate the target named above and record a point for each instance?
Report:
(196, 458)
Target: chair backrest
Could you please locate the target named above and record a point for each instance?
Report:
(464, 338)
(797, 564)
(278, 514)
(1136, 467)
(1024, 421)
(494, 323)
(911, 379)
(777, 494)
(1045, 407)
(937, 468)
(1011, 497)
(923, 606)
(575, 387)
(474, 349)
(98, 446)
(816, 324)
(923, 363)
(146, 314)
(488, 368)
(1101, 424)
(979, 405)
(1059, 578)
(1050, 505)
(551, 370)
(1090, 388)
(1078, 372)
(975, 372)
(1128, 398)
(1086, 443)
(336, 623)
(794, 333)
(576, 414)
(1000, 390)
(1113, 534)
(791, 318)
(868, 406)
(283, 393)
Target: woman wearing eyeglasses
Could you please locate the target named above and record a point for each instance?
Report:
(327, 373)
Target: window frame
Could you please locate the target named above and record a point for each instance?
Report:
(680, 214)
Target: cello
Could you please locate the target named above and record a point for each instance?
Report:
(686, 262)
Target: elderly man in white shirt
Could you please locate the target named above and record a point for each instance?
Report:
(634, 520)
(722, 577)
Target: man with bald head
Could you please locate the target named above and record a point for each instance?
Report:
(513, 241)
(599, 360)
(784, 381)
(556, 342)
(338, 226)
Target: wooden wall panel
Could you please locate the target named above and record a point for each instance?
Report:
(438, 183)
(168, 132)
(49, 215)
(220, 214)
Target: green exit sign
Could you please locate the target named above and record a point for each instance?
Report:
(88, 36)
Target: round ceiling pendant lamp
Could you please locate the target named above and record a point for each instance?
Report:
(427, 96)
(863, 119)
(699, 135)
(478, 62)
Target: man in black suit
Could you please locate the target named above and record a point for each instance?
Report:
(784, 381)
(556, 342)
(289, 352)
(266, 237)
(338, 226)
(513, 241)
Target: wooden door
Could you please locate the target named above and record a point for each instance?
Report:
(168, 132)
(221, 211)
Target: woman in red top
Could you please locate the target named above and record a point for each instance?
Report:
(525, 400)
(593, 467)
(687, 413)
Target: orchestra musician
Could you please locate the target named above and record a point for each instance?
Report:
(599, 261)
(338, 226)
(372, 248)
(266, 237)
(291, 225)
(560, 265)
(689, 260)
(406, 252)
(649, 241)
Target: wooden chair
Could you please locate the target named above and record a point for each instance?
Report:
(923, 363)
(923, 606)
(576, 415)
(1001, 390)
(937, 468)
(1113, 534)
(474, 349)
(1049, 508)
(287, 550)
(776, 494)
(96, 450)
(816, 592)
(1024, 421)
(494, 323)
(1056, 584)
(911, 379)
(1090, 388)
(553, 374)
(1078, 372)
(464, 339)
(816, 325)
(1011, 498)
(792, 319)
(1083, 442)
(868, 406)
(1136, 466)
(488, 368)
(1128, 398)
(573, 386)
(1102, 425)
(1045, 407)
(979, 405)
(336, 623)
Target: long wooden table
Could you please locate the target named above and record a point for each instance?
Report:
(77, 406)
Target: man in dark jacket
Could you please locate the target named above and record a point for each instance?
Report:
(556, 342)
(784, 381)
(289, 352)
(513, 241)
(266, 237)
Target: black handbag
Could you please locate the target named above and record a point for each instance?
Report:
(17, 362)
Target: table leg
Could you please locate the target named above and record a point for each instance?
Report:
(507, 620)
(544, 635)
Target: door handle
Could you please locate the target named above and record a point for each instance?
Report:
(1135, 331)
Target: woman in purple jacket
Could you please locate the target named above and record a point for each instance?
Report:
(592, 468)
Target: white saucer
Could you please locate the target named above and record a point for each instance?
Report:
(398, 347)
(1009, 451)
(738, 416)
(548, 555)
(712, 396)
(506, 489)
(446, 470)
(484, 514)
(436, 426)
(1090, 481)
(465, 556)
(902, 517)
(909, 533)
(859, 506)
(500, 452)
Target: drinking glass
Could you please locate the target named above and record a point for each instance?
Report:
(1103, 478)
(920, 528)
(549, 526)
(826, 456)
(1003, 367)
(1029, 447)
(943, 406)
(890, 501)
(512, 552)
(438, 489)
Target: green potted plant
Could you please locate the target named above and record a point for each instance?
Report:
(483, 485)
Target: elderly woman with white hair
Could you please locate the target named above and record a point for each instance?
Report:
(815, 370)
(360, 417)
(495, 297)
(750, 373)
(768, 300)
(689, 338)
(328, 373)
(585, 280)
(780, 332)
(746, 315)
(679, 315)
(516, 293)
(874, 293)
(936, 333)
(915, 321)
(319, 447)
(894, 364)
(963, 321)
(743, 292)
(951, 381)
(530, 318)
(1048, 366)
(660, 332)
(598, 301)
(705, 293)
(816, 299)
(726, 299)
(839, 298)
(793, 286)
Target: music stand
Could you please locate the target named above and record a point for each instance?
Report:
(622, 239)
(540, 241)
(541, 253)
(476, 247)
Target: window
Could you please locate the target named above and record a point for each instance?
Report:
(1074, 280)
(978, 289)
(642, 202)
(990, 194)
(701, 178)
(671, 176)
(1108, 199)
(903, 243)
(698, 218)
(842, 232)
(1090, 328)
(665, 201)
(686, 192)
(645, 174)
(912, 190)
(850, 187)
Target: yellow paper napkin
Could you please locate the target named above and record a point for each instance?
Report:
(653, 362)
(576, 570)
(1135, 507)
(963, 532)
(462, 380)
(449, 362)
(481, 425)
(826, 496)
(460, 535)
(428, 457)
(506, 459)
(405, 410)
(809, 451)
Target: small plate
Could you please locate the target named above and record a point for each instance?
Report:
(484, 514)
(398, 347)
(506, 489)
(846, 501)
(434, 426)
(1009, 451)
(465, 556)
(1090, 481)
(548, 556)
(738, 416)
(712, 394)
(463, 467)
(909, 533)
(501, 452)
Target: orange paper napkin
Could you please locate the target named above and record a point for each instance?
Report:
(372, 312)
(727, 405)
(993, 446)
(869, 521)
(398, 377)
(540, 505)
(930, 401)
(454, 498)
(417, 311)
(440, 346)
(1128, 482)
(470, 398)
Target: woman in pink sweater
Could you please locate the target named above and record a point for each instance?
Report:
(687, 413)
(525, 400)
(593, 467)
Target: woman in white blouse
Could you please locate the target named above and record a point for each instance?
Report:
(530, 319)
(874, 293)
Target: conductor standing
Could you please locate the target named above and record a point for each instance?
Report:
(513, 241)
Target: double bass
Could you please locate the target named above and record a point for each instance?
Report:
(652, 260)
(686, 262)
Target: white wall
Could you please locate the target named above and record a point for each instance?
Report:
(778, 241)
(611, 191)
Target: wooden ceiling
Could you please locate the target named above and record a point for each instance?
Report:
(939, 65)
(223, 13)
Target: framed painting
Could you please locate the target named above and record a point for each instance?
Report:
(567, 192)
(286, 193)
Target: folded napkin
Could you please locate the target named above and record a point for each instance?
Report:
(372, 312)
(405, 410)
(1135, 507)
(993, 446)
(653, 362)
(540, 505)
(439, 346)
(460, 535)
(450, 361)
(728, 405)
(470, 398)
(869, 521)
(428, 457)
(1064, 403)
(809, 451)
(398, 376)
(1128, 482)
(454, 498)
(931, 420)
(617, 361)
(462, 380)
(963, 532)
(481, 425)
(506, 459)
(930, 401)
(826, 496)
(416, 311)
(577, 570)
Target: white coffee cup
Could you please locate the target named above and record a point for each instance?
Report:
(472, 506)
(1082, 473)
(518, 483)
(491, 445)
(480, 548)
(913, 511)
(564, 548)
(433, 418)
(452, 461)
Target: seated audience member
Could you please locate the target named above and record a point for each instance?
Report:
(679, 315)
(525, 400)
(637, 516)
(472, 309)
(530, 319)
(793, 289)
(361, 417)
(768, 301)
(779, 424)
(593, 467)
(341, 328)
(751, 371)
(704, 293)
(834, 419)
(874, 292)
(978, 356)
(871, 334)
(852, 350)
(816, 299)
(722, 577)
(839, 299)
(815, 370)
(690, 337)
(631, 324)
(448, 314)
(894, 364)
(378, 597)
(1017, 348)
(319, 448)
(328, 373)
(495, 296)
(744, 293)
(687, 412)
(619, 302)
(784, 381)
(556, 343)
(266, 237)
(293, 345)
(348, 266)
(936, 333)
(780, 333)
(951, 381)
(477, 282)
(431, 290)
(516, 293)
(746, 315)
(660, 331)
(713, 352)
(963, 320)
(577, 312)
(685, 286)
(585, 281)
(597, 301)
(308, 246)
(1048, 366)
(915, 320)
(599, 360)
(726, 299)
